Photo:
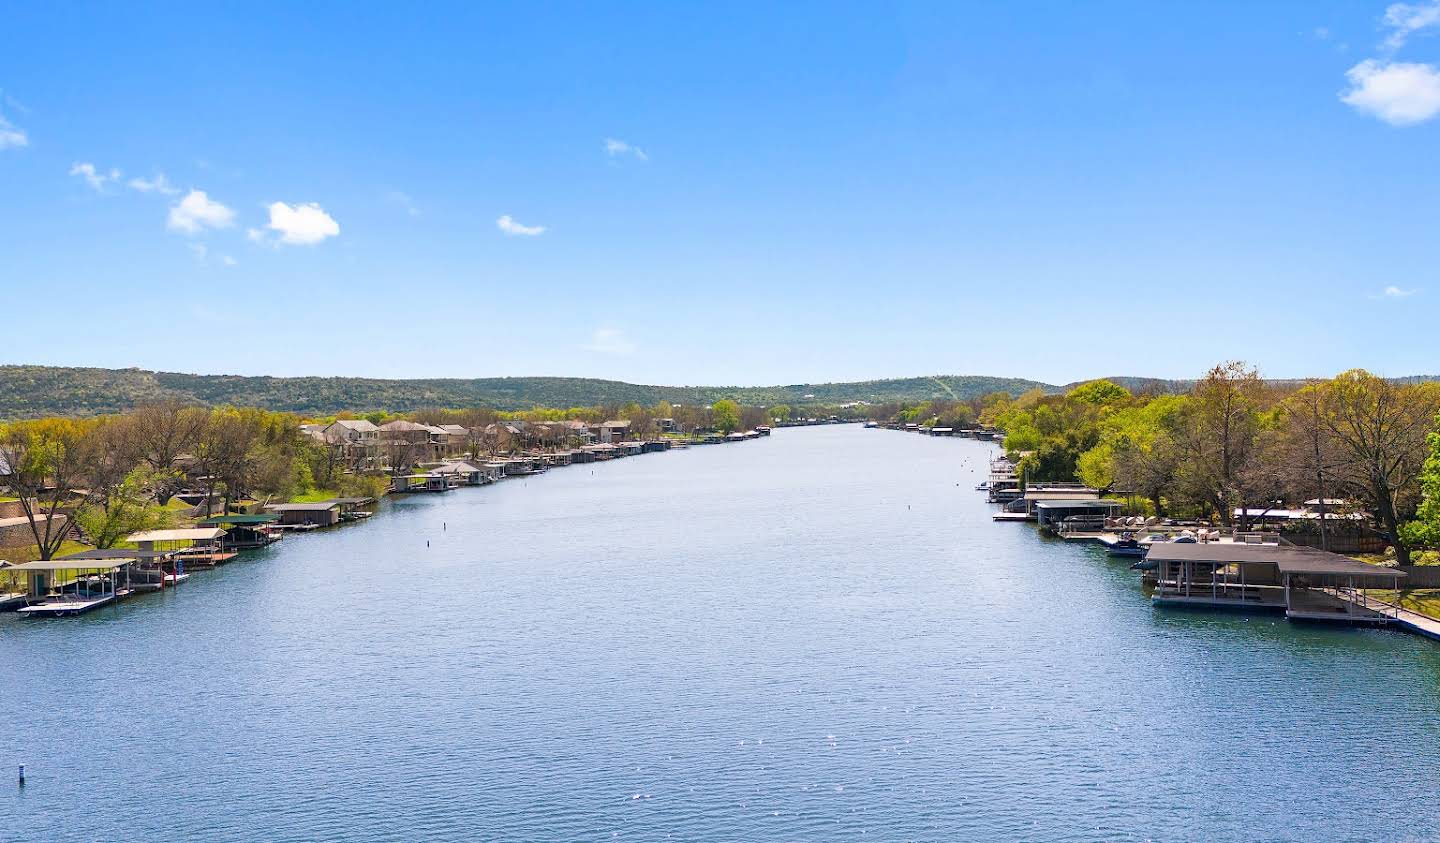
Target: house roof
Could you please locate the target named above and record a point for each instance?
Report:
(402, 424)
(616, 423)
(359, 425)
(457, 467)
(455, 429)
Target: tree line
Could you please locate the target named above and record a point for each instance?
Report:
(104, 477)
(1236, 443)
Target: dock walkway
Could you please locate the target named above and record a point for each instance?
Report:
(1411, 620)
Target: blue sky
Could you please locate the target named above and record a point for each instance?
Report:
(721, 194)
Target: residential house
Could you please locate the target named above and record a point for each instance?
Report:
(612, 432)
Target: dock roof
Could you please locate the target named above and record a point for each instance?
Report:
(187, 534)
(239, 520)
(1088, 503)
(118, 553)
(319, 506)
(74, 564)
(1289, 560)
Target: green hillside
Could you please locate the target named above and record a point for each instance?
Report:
(30, 391)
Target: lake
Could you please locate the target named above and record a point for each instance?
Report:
(816, 636)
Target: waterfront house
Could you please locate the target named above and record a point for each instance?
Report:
(457, 438)
(1303, 583)
(503, 437)
(357, 439)
(421, 441)
(320, 514)
(611, 432)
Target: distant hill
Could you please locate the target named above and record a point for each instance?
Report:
(31, 391)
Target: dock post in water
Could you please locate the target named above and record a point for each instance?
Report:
(22, 775)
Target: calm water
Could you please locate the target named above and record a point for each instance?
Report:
(816, 636)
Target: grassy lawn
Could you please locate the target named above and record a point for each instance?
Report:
(318, 496)
(1426, 601)
(31, 553)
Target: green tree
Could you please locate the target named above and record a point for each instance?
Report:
(43, 462)
(725, 415)
(1424, 531)
(109, 516)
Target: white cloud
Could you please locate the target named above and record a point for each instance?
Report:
(1400, 93)
(1406, 19)
(298, 225)
(197, 212)
(508, 225)
(610, 341)
(12, 136)
(159, 184)
(97, 179)
(404, 201)
(615, 148)
(255, 235)
(200, 251)
(227, 260)
(1321, 33)
(1393, 292)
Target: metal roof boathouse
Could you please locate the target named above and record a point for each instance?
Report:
(1304, 583)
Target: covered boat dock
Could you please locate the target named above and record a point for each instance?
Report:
(90, 584)
(1303, 583)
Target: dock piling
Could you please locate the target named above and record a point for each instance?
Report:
(22, 775)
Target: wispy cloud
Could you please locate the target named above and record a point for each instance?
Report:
(1394, 292)
(96, 178)
(1399, 93)
(159, 184)
(1406, 19)
(197, 212)
(404, 201)
(302, 224)
(512, 228)
(616, 148)
(12, 136)
(610, 341)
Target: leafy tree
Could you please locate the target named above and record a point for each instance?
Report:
(105, 519)
(725, 415)
(1424, 531)
(45, 462)
(1216, 437)
(1381, 428)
